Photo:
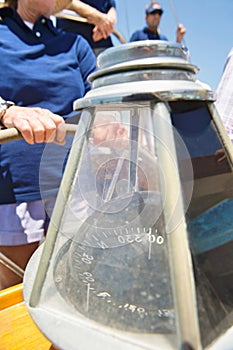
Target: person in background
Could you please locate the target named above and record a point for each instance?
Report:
(47, 68)
(154, 12)
(224, 95)
(101, 16)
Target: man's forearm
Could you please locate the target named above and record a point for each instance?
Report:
(90, 13)
(61, 4)
(112, 14)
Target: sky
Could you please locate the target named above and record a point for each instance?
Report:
(209, 25)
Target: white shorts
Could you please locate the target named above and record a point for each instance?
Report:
(22, 223)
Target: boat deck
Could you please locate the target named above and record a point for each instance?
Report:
(17, 330)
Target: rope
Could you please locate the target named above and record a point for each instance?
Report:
(11, 265)
(72, 17)
(12, 134)
(127, 18)
(174, 12)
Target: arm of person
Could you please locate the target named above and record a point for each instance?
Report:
(59, 4)
(35, 124)
(180, 32)
(104, 23)
(87, 61)
(103, 29)
(134, 36)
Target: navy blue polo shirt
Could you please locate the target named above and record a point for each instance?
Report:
(43, 67)
(146, 34)
(101, 5)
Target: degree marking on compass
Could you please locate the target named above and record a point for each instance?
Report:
(149, 248)
(88, 297)
(86, 242)
(105, 234)
(102, 245)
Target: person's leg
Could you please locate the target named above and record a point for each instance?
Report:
(19, 255)
(21, 230)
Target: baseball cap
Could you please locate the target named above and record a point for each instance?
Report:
(152, 7)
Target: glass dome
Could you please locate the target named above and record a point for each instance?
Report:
(142, 215)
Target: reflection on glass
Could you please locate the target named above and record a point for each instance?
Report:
(209, 218)
(114, 266)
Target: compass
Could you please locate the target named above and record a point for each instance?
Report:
(115, 270)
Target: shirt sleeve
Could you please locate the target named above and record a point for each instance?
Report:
(111, 3)
(87, 61)
(107, 5)
(134, 37)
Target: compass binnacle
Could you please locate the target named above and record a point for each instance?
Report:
(119, 276)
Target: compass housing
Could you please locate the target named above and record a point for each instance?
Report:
(142, 215)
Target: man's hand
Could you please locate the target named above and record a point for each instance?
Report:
(180, 32)
(104, 22)
(110, 134)
(103, 28)
(36, 124)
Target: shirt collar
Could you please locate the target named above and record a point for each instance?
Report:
(147, 30)
(28, 32)
(31, 25)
